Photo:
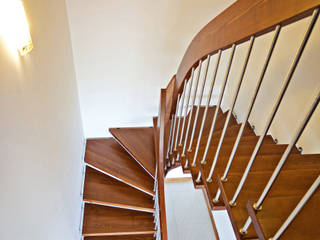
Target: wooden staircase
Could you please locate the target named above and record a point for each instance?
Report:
(270, 190)
(119, 186)
(298, 174)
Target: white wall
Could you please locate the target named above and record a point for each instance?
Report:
(41, 134)
(126, 50)
(300, 94)
(187, 213)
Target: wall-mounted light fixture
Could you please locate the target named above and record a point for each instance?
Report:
(14, 27)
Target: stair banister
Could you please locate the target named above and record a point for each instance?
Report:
(179, 120)
(204, 117)
(248, 112)
(284, 157)
(170, 136)
(277, 103)
(234, 100)
(174, 127)
(191, 109)
(231, 27)
(186, 107)
(199, 102)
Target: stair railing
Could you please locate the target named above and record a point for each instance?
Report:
(283, 159)
(243, 21)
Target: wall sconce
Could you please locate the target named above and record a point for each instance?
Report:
(14, 27)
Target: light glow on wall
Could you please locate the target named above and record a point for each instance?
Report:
(14, 27)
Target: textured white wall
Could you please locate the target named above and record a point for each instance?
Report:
(126, 50)
(41, 134)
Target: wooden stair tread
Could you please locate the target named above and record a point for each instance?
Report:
(306, 223)
(291, 183)
(108, 156)
(110, 221)
(102, 189)
(126, 237)
(139, 142)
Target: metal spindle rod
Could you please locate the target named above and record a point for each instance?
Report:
(221, 93)
(247, 115)
(234, 100)
(179, 115)
(289, 149)
(170, 135)
(191, 110)
(214, 76)
(277, 103)
(186, 164)
(199, 103)
(186, 107)
(174, 124)
(298, 208)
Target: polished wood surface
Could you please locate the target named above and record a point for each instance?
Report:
(286, 192)
(102, 189)
(226, 203)
(108, 156)
(139, 142)
(236, 24)
(127, 237)
(255, 221)
(109, 221)
(160, 127)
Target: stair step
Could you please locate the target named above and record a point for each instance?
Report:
(139, 143)
(106, 155)
(110, 221)
(102, 189)
(127, 237)
(296, 176)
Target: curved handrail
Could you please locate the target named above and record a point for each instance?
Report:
(236, 24)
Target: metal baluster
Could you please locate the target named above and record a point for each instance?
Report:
(284, 157)
(298, 208)
(199, 104)
(191, 110)
(179, 120)
(234, 99)
(174, 126)
(221, 93)
(207, 106)
(170, 135)
(247, 115)
(277, 103)
(186, 107)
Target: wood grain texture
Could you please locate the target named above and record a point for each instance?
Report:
(139, 142)
(160, 131)
(108, 156)
(226, 204)
(236, 24)
(255, 221)
(109, 221)
(127, 237)
(102, 189)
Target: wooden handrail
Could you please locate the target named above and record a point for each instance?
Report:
(236, 24)
(163, 121)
